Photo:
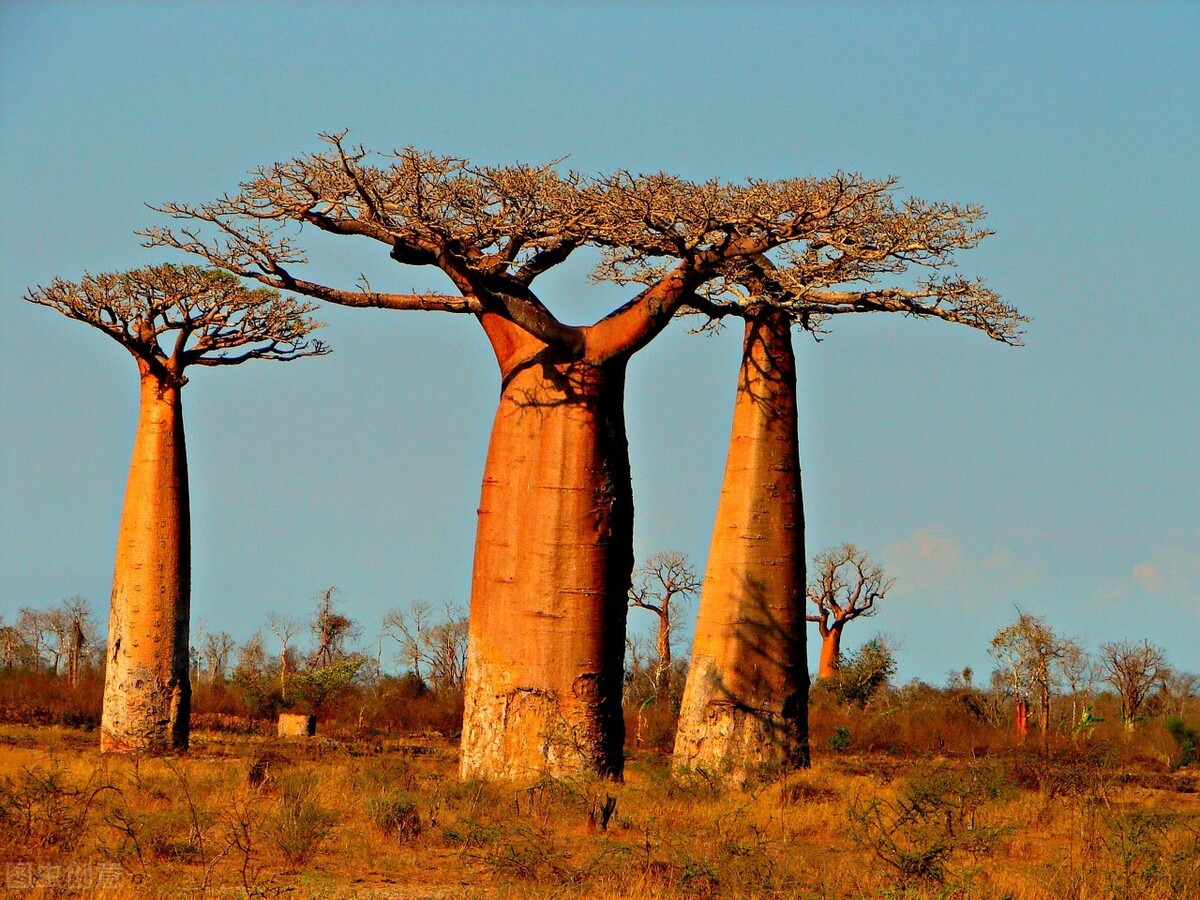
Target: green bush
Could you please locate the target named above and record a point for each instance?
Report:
(1186, 739)
(840, 740)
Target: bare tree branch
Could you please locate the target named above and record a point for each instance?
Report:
(176, 316)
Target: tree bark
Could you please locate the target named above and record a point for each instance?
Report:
(147, 692)
(745, 704)
(663, 648)
(1044, 713)
(831, 653)
(1022, 718)
(553, 563)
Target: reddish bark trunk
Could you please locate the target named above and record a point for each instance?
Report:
(1022, 718)
(553, 559)
(831, 654)
(147, 693)
(746, 699)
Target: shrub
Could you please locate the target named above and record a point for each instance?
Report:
(862, 674)
(1186, 740)
(39, 697)
(301, 825)
(396, 815)
(935, 817)
(840, 740)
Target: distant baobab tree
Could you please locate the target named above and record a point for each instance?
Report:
(661, 585)
(169, 318)
(554, 547)
(845, 586)
(746, 698)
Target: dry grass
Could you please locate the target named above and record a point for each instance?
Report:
(249, 816)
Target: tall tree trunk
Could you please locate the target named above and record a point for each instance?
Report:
(553, 562)
(1022, 718)
(147, 692)
(746, 699)
(663, 648)
(1044, 713)
(831, 653)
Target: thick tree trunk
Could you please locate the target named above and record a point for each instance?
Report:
(831, 654)
(147, 693)
(553, 561)
(746, 700)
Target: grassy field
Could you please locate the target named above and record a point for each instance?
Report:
(252, 816)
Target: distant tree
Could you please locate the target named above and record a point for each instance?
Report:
(37, 633)
(433, 649)
(1133, 670)
(330, 630)
(320, 685)
(1033, 656)
(58, 638)
(844, 585)
(15, 650)
(252, 655)
(980, 703)
(1180, 688)
(285, 630)
(195, 663)
(76, 631)
(1078, 671)
(661, 585)
(252, 679)
(58, 627)
(169, 318)
(216, 650)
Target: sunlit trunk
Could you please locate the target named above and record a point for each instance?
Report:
(147, 693)
(831, 654)
(553, 559)
(1022, 718)
(746, 700)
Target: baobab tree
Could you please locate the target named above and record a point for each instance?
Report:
(845, 586)
(330, 630)
(660, 585)
(169, 318)
(746, 699)
(554, 548)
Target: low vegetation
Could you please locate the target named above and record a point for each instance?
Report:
(915, 791)
(921, 792)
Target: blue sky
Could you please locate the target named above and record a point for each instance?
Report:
(1060, 478)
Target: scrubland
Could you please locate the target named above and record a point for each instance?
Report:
(913, 797)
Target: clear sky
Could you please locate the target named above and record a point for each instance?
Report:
(1060, 478)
